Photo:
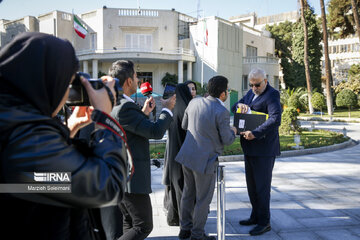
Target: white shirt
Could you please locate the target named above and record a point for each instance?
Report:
(222, 103)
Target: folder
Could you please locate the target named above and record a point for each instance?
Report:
(248, 122)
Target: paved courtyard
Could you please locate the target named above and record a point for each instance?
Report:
(313, 197)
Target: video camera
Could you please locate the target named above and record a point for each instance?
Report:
(78, 95)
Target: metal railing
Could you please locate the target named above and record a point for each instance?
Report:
(220, 203)
(256, 59)
(176, 51)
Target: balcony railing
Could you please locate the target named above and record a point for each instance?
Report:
(176, 51)
(267, 60)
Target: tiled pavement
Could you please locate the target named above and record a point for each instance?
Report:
(313, 197)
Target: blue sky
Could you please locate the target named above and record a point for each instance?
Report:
(14, 9)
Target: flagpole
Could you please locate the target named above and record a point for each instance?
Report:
(73, 38)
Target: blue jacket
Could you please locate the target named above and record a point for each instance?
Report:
(266, 142)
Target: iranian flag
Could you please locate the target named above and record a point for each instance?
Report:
(79, 28)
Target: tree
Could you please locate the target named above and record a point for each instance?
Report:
(329, 99)
(346, 98)
(306, 51)
(354, 70)
(169, 78)
(314, 54)
(356, 16)
(353, 82)
(318, 101)
(283, 34)
(341, 21)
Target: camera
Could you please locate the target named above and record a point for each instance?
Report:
(78, 95)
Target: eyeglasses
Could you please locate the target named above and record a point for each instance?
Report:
(255, 85)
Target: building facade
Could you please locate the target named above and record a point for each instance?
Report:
(160, 41)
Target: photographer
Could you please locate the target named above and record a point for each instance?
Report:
(36, 70)
(136, 205)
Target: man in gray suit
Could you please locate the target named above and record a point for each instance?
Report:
(207, 122)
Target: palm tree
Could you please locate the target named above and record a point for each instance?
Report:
(356, 16)
(306, 53)
(329, 101)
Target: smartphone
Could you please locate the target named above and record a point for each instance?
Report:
(169, 90)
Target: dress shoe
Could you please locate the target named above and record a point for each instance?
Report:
(184, 234)
(205, 237)
(260, 229)
(247, 222)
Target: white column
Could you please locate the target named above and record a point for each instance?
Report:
(85, 66)
(95, 68)
(180, 71)
(189, 70)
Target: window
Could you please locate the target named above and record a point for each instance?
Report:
(138, 41)
(276, 82)
(251, 51)
(245, 82)
(93, 40)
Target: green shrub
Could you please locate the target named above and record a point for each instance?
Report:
(294, 102)
(289, 122)
(318, 101)
(169, 78)
(346, 98)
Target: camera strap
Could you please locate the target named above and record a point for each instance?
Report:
(103, 119)
(111, 95)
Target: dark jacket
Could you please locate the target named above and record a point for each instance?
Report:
(173, 176)
(266, 142)
(31, 142)
(139, 129)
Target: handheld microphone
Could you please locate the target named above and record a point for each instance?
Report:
(146, 90)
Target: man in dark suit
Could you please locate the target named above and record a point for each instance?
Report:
(136, 205)
(260, 147)
(207, 122)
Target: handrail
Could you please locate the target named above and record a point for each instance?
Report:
(176, 51)
(257, 59)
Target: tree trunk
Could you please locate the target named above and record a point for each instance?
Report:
(306, 58)
(329, 99)
(349, 111)
(356, 16)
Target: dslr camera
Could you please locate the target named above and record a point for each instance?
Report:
(78, 95)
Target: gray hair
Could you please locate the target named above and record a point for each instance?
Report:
(257, 73)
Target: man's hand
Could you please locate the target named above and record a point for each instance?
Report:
(247, 135)
(169, 103)
(80, 118)
(243, 108)
(147, 109)
(234, 129)
(99, 99)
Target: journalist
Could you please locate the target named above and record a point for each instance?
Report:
(136, 205)
(36, 70)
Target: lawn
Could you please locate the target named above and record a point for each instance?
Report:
(355, 113)
(316, 138)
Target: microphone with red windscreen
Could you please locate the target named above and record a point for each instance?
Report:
(146, 90)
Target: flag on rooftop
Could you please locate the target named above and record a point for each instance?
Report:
(79, 28)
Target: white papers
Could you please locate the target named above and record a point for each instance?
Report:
(241, 123)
